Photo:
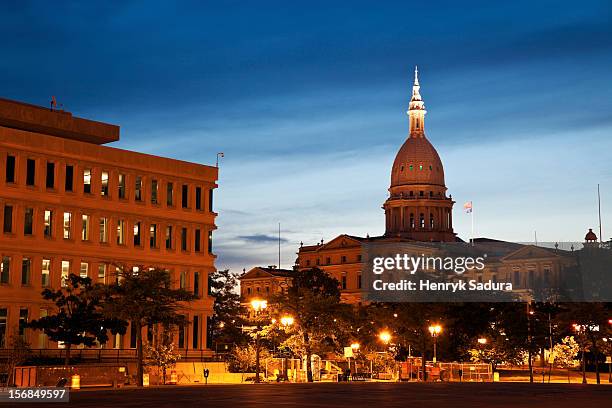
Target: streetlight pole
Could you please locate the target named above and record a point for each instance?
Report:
(435, 330)
(258, 306)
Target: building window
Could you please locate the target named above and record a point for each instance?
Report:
(10, 169)
(104, 187)
(308, 262)
(31, 172)
(196, 283)
(153, 191)
(102, 273)
(210, 242)
(121, 186)
(343, 259)
(69, 180)
(196, 332)
(84, 271)
(198, 244)
(343, 280)
(411, 221)
(5, 269)
(431, 221)
(45, 272)
(169, 195)
(327, 260)
(121, 232)
(23, 321)
(517, 279)
(183, 280)
(198, 198)
(359, 258)
(137, 234)
(85, 229)
(103, 230)
(153, 236)
(50, 179)
(48, 231)
(65, 273)
(8, 219)
(359, 281)
(87, 181)
(3, 321)
(181, 335)
(138, 189)
(169, 237)
(183, 239)
(28, 221)
(185, 196)
(26, 268)
(422, 220)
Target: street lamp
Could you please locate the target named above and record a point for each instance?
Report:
(258, 306)
(482, 340)
(385, 337)
(435, 330)
(286, 321)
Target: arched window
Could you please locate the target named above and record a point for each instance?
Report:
(422, 221)
(431, 221)
(417, 123)
(411, 220)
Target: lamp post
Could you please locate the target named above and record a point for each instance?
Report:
(286, 321)
(579, 329)
(435, 330)
(258, 306)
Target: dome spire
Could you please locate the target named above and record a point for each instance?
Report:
(416, 109)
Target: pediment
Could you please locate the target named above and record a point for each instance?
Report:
(256, 273)
(340, 242)
(529, 252)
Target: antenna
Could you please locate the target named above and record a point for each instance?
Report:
(599, 210)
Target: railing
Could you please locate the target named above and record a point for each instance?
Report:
(107, 355)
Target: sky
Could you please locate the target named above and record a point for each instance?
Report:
(307, 100)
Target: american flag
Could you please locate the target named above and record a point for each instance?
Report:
(468, 207)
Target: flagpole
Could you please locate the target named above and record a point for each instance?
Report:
(472, 214)
(599, 210)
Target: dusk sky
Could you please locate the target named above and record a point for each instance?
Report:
(307, 101)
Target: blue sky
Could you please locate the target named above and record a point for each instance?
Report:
(307, 101)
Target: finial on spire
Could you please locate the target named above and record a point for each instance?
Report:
(416, 74)
(416, 108)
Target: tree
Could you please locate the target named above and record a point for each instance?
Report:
(79, 318)
(18, 353)
(146, 298)
(313, 300)
(161, 353)
(565, 354)
(243, 359)
(496, 351)
(227, 320)
(586, 319)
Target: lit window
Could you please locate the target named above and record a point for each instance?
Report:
(84, 270)
(104, 190)
(26, 267)
(120, 232)
(48, 223)
(101, 273)
(87, 181)
(46, 269)
(121, 186)
(67, 225)
(153, 236)
(65, 273)
(85, 229)
(103, 230)
(5, 268)
(137, 234)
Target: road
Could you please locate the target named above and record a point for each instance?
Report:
(371, 395)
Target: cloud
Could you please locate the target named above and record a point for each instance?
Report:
(261, 238)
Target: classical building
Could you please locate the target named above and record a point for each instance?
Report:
(417, 211)
(263, 283)
(72, 205)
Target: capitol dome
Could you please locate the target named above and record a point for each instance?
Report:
(417, 162)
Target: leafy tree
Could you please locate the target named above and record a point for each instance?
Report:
(146, 298)
(565, 354)
(313, 300)
(243, 359)
(18, 353)
(587, 320)
(161, 353)
(227, 320)
(79, 318)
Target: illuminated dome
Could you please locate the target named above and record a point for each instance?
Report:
(417, 162)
